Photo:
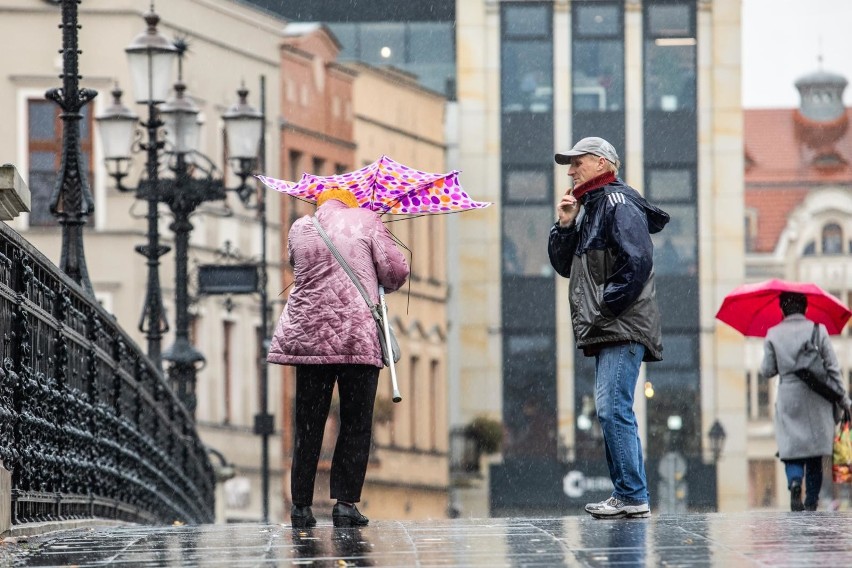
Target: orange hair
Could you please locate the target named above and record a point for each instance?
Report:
(344, 196)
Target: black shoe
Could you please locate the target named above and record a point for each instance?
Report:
(796, 496)
(345, 515)
(810, 506)
(302, 517)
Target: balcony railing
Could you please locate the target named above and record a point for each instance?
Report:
(88, 426)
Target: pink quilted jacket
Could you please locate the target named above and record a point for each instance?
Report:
(326, 320)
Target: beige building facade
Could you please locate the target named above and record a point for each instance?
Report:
(229, 43)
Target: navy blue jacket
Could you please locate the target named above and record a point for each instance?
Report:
(608, 255)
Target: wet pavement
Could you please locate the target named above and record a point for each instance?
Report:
(730, 540)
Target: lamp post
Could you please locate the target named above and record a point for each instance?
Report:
(151, 58)
(192, 182)
(71, 201)
(717, 437)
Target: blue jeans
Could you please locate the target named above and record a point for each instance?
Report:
(616, 373)
(811, 470)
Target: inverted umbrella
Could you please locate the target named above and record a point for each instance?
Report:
(386, 186)
(752, 309)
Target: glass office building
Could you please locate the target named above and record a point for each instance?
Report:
(414, 36)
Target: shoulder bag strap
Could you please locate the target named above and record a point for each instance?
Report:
(815, 335)
(344, 264)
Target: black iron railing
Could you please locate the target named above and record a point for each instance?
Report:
(88, 426)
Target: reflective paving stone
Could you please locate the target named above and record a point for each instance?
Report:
(729, 540)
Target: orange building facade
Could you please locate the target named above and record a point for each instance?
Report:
(316, 136)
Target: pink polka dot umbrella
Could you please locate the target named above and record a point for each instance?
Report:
(386, 186)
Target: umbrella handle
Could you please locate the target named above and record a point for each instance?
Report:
(396, 396)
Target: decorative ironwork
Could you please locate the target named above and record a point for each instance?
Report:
(71, 201)
(88, 426)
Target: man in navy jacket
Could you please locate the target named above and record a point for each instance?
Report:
(605, 249)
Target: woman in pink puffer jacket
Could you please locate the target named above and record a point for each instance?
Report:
(328, 333)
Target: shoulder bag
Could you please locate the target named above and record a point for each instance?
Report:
(810, 368)
(378, 316)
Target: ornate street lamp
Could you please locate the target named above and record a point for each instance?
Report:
(717, 439)
(193, 182)
(243, 130)
(116, 126)
(180, 117)
(151, 58)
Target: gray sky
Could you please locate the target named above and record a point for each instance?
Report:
(782, 40)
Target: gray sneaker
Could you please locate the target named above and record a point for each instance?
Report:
(613, 508)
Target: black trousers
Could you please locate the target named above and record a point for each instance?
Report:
(356, 386)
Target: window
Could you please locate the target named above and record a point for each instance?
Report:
(434, 414)
(527, 59)
(749, 384)
(45, 155)
(383, 43)
(527, 184)
(394, 417)
(763, 386)
(757, 397)
(670, 84)
(750, 230)
(227, 375)
(670, 57)
(669, 20)
(433, 259)
(413, 415)
(598, 57)
(295, 161)
(340, 169)
(426, 49)
(318, 166)
(832, 239)
(670, 184)
(525, 234)
(673, 189)
(675, 247)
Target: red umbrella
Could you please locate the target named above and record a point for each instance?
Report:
(752, 309)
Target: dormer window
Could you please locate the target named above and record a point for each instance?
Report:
(832, 239)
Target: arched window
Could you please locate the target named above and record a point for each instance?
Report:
(810, 249)
(832, 239)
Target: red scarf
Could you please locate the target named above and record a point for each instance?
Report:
(592, 184)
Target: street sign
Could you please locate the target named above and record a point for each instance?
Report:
(228, 279)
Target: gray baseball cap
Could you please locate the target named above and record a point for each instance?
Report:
(590, 145)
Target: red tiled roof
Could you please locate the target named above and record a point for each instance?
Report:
(773, 206)
(783, 151)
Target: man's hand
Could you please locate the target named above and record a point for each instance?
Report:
(567, 209)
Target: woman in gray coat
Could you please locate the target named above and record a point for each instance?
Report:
(804, 420)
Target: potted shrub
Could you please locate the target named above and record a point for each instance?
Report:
(486, 434)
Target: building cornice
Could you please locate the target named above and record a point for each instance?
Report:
(283, 124)
(400, 131)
